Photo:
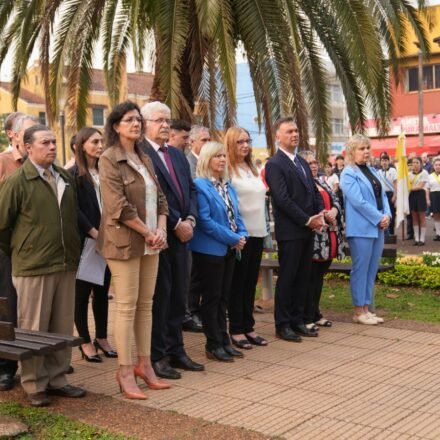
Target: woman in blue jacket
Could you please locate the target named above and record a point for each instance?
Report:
(367, 215)
(218, 239)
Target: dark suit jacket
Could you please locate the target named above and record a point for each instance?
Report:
(181, 168)
(295, 197)
(89, 215)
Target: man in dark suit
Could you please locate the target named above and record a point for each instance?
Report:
(297, 209)
(172, 169)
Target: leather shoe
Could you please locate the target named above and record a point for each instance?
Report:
(67, 391)
(184, 362)
(38, 399)
(232, 351)
(288, 334)
(192, 326)
(6, 381)
(302, 330)
(219, 354)
(163, 369)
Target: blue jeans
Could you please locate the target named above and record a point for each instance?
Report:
(365, 255)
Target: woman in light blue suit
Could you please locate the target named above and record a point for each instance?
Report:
(367, 215)
(219, 236)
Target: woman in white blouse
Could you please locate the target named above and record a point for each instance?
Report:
(434, 189)
(251, 194)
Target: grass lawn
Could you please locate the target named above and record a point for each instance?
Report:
(396, 302)
(45, 425)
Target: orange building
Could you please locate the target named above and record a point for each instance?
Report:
(405, 98)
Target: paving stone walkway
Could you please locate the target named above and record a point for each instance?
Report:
(352, 382)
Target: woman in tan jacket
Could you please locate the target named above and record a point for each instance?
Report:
(131, 235)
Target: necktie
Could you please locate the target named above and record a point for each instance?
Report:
(170, 167)
(298, 165)
(51, 181)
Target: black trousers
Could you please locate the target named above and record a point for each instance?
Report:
(242, 293)
(194, 291)
(169, 301)
(99, 307)
(215, 277)
(316, 281)
(295, 257)
(393, 212)
(7, 290)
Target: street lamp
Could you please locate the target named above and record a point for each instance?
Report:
(63, 133)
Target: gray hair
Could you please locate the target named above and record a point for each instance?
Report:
(307, 153)
(148, 109)
(10, 119)
(19, 122)
(196, 131)
(352, 144)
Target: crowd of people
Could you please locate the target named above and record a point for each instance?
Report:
(179, 224)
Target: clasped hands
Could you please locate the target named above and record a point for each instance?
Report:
(240, 245)
(184, 231)
(385, 222)
(157, 240)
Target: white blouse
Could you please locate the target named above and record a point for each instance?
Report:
(434, 182)
(251, 194)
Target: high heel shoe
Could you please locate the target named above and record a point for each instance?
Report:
(127, 394)
(93, 358)
(159, 385)
(107, 354)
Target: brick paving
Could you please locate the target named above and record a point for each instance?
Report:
(352, 382)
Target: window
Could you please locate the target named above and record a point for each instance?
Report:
(337, 126)
(431, 78)
(336, 93)
(42, 118)
(98, 116)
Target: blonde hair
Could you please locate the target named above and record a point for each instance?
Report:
(352, 144)
(230, 143)
(209, 150)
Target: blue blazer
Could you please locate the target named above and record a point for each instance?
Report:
(212, 234)
(361, 214)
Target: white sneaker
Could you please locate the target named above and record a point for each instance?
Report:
(364, 319)
(377, 318)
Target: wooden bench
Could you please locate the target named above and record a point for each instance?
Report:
(19, 344)
(269, 264)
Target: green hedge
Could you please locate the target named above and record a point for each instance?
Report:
(404, 275)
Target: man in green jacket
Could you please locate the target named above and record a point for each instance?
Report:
(39, 207)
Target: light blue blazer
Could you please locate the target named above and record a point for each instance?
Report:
(212, 234)
(361, 214)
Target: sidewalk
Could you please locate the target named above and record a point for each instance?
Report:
(352, 382)
(406, 246)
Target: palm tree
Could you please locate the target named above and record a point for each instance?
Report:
(195, 48)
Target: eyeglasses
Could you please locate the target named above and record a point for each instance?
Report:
(244, 141)
(160, 121)
(132, 120)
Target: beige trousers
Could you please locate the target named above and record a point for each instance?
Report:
(134, 281)
(46, 303)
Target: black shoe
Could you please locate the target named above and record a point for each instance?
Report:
(93, 358)
(67, 391)
(288, 334)
(436, 238)
(416, 243)
(185, 363)
(163, 369)
(69, 370)
(192, 326)
(219, 354)
(302, 330)
(232, 351)
(421, 243)
(38, 399)
(107, 354)
(6, 381)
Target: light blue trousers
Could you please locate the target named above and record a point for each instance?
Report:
(365, 255)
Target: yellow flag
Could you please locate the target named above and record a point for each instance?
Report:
(402, 203)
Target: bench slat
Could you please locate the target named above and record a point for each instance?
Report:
(52, 345)
(14, 354)
(71, 341)
(37, 349)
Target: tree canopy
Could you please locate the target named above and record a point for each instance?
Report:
(196, 41)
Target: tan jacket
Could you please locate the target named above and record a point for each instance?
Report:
(123, 196)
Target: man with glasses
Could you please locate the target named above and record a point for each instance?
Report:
(172, 170)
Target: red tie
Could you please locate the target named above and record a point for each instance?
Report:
(170, 167)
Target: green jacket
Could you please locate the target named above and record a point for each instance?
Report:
(45, 237)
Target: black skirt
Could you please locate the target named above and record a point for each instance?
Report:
(435, 202)
(417, 201)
